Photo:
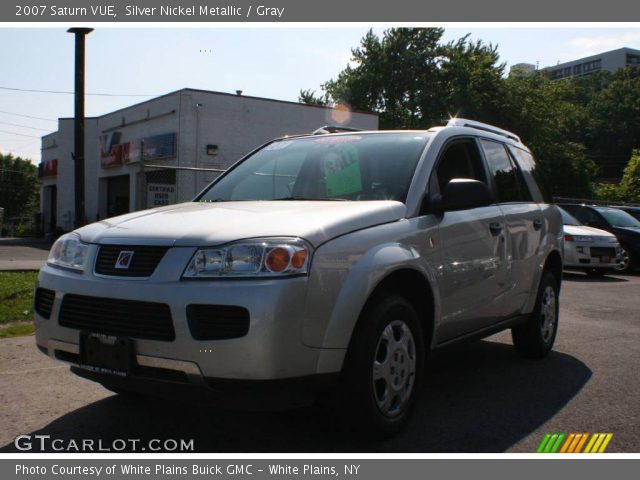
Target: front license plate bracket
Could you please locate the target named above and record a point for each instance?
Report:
(106, 353)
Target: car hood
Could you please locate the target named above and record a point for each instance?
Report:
(199, 224)
(584, 230)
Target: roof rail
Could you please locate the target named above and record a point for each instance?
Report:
(463, 122)
(334, 129)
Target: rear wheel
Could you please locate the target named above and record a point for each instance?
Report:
(384, 366)
(535, 338)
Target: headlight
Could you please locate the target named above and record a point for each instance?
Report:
(271, 257)
(578, 238)
(68, 252)
(613, 240)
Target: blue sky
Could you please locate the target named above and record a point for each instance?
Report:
(269, 62)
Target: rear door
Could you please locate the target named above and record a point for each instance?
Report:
(523, 223)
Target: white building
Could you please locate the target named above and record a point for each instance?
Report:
(610, 61)
(187, 129)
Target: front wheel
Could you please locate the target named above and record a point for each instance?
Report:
(535, 337)
(384, 366)
(624, 266)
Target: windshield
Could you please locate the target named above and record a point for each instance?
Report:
(618, 218)
(357, 167)
(568, 219)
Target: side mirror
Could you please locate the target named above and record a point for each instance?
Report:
(463, 194)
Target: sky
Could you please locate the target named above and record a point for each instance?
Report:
(137, 64)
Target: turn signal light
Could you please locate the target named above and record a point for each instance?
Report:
(277, 260)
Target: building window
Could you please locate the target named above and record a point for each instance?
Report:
(633, 59)
(577, 69)
(593, 66)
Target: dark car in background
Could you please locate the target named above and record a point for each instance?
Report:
(623, 225)
(633, 211)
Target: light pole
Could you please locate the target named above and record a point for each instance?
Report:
(78, 124)
(197, 150)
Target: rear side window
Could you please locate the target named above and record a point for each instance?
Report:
(509, 185)
(589, 217)
(530, 173)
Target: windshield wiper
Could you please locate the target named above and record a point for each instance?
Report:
(334, 199)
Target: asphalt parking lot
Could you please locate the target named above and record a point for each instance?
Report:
(478, 398)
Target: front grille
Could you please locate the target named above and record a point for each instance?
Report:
(217, 322)
(143, 264)
(124, 318)
(603, 252)
(43, 302)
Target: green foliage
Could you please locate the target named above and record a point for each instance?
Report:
(309, 97)
(19, 187)
(628, 190)
(613, 113)
(18, 329)
(16, 296)
(608, 192)
(630, 184)
(413, 80)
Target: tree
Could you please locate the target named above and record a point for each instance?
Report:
(395, 76)
(309, 97)
(19, 187)
(628, 190)
(413, 80)
(544, 115)
(613, 117)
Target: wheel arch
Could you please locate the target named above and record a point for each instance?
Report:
(553, 264)
(416, 289)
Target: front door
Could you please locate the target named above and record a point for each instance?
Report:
(472, 272)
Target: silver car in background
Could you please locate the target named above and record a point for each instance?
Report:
(588, 249)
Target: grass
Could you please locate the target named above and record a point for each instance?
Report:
(17, 329)
(16, 303)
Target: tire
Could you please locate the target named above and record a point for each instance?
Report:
(384, 367)
(535, 337)
(626, 265)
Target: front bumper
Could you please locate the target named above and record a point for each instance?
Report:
(599, 254)
(271, 350)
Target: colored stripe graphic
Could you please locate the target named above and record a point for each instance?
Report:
(574, 443)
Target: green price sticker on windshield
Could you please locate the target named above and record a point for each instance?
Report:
(342, 176)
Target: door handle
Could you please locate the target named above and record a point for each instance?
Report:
(537, 224)
(495, 228)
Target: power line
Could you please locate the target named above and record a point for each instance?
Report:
(72, 93)
(20, 134)
(25, 126)
(29, 116)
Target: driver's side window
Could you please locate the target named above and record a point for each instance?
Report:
(460, 159)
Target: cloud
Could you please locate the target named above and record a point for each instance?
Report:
(584, 46)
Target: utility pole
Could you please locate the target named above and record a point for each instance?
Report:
(78, 124)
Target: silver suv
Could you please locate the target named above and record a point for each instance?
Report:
(331, 262)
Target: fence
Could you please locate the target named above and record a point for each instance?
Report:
(168, 184)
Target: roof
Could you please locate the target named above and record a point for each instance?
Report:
(213, 92)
